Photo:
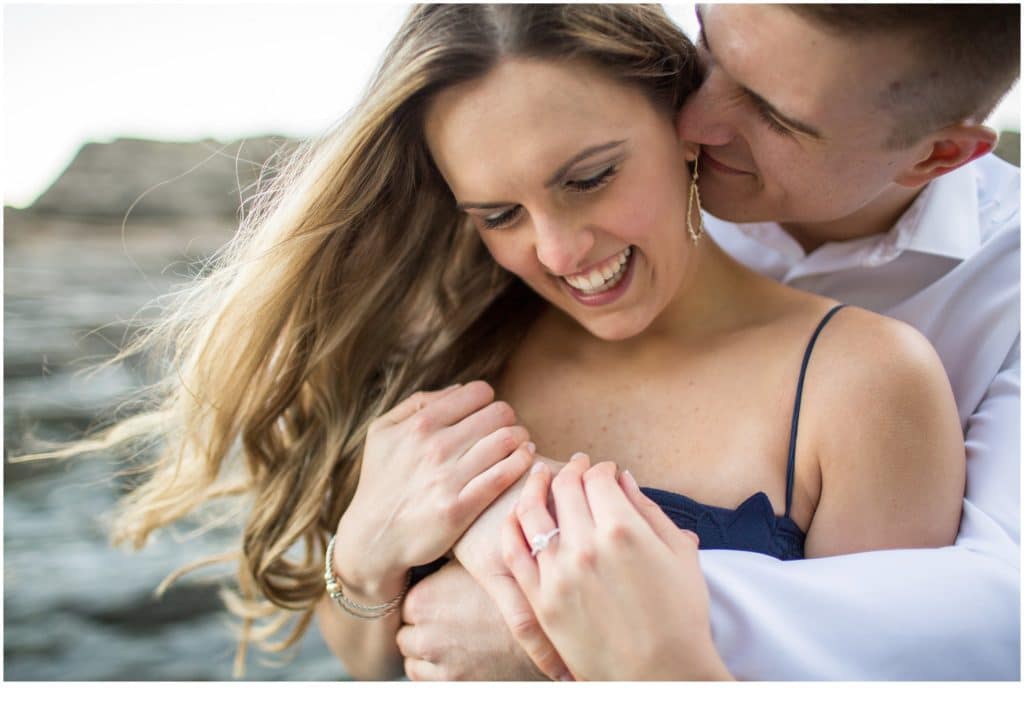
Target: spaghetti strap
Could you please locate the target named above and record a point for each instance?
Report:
(791, 464)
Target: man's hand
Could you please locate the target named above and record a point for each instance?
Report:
(452, 631)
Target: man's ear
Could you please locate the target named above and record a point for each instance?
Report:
(947, 150)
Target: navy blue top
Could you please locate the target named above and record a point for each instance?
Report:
(753, 525)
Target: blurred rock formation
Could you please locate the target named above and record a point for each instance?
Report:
(78, 277)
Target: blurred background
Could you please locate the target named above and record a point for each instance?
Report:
(132, 135)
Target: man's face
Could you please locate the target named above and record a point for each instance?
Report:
(791, 121)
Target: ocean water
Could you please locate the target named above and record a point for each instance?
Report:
(75, 608)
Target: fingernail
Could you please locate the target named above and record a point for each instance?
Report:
(531, 447)
(631, 478)
(565, 677)
(537, 467)
(576, 456)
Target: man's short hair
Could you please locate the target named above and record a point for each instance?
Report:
(968, 58)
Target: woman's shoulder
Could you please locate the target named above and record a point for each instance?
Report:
(865, 353)
(886, 436)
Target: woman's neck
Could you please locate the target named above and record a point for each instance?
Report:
(716, 295)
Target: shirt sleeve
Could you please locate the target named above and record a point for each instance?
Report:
(939, 614)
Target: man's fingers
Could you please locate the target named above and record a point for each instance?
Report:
(422, 671)
(410, 643)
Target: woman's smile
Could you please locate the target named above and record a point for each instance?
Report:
(603, 283)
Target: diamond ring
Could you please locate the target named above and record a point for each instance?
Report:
(541, 541)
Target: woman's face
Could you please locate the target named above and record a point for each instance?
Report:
(577, 185)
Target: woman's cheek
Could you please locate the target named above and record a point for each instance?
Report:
(636, 216)
(505, 253)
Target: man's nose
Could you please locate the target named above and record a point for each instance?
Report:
(705, 117)
(562, 247)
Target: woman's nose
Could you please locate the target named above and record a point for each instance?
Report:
(562, 249)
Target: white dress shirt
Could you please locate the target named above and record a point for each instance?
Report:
(951, 268)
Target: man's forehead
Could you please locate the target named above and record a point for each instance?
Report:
(815, 77)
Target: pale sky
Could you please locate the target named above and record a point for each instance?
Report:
(80, 72)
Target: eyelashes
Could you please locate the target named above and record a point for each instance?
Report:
(502, 219)
(769, 121)
(594, 182)
(506, 217)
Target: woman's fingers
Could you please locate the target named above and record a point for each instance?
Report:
(443, 408)
(520, 563)
(535, 520)
(487, 486)
(453, 407)
(669, 533)
(519, 616)
(467, 432)
(605, 498)
(571, 510)
(414, 403)
(490, 450)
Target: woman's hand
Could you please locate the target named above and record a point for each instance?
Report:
(479, 551)
(430, 466)
(618, 590)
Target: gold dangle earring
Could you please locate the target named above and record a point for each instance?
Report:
(694, 198)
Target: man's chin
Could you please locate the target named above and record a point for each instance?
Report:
(735, 214)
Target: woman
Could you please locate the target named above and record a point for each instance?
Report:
(510, 210)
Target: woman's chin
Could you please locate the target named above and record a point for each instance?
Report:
(612, 329)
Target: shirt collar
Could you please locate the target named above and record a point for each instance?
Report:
(942, 221)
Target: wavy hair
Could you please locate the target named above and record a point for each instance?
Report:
(352, 282)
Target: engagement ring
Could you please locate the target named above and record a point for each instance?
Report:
(541, 541)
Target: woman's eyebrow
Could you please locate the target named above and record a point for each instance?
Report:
(585, 153)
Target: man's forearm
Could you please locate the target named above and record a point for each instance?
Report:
(938, 614)
(993, 453)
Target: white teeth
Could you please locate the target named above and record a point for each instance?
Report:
(603, 278)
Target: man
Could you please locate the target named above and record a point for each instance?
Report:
(858, 129)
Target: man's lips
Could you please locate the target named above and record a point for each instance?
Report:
(719, 166)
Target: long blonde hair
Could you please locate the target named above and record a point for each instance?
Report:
(352, 282)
